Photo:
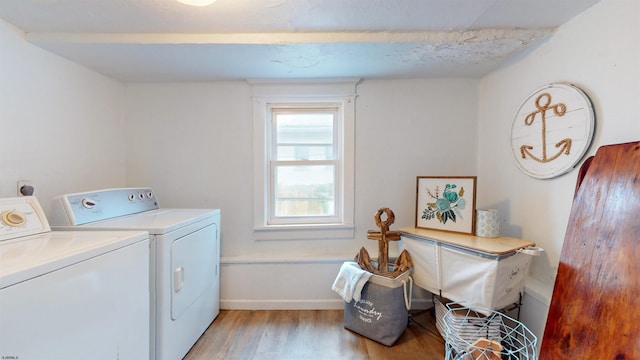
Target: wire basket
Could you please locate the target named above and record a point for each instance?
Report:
(480, 334)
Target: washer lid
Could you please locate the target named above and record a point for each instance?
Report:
(27, 257)
(156, 222)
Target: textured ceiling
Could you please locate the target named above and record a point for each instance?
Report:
(163, 40)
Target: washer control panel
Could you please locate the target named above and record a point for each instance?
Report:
(21, 216)
(82, 208)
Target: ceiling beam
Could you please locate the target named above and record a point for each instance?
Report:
(277, 38)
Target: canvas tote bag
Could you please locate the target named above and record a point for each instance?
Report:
(382, 313)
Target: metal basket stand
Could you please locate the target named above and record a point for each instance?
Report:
(480, 334)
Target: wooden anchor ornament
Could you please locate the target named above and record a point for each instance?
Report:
(402, 263)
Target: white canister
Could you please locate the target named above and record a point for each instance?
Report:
(487, 224)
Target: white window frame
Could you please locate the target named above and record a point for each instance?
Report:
(331, 107)
(268, 94)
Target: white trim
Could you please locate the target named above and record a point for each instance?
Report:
(244, 260)
(306, 232)
(303, 88)
(537, 290)
(285, 304)
(265, 92)
(298, 37)
(336, 111)
(303, 304)
(267, 281)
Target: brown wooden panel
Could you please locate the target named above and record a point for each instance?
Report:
(595, 308)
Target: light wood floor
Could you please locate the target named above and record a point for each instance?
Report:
(309, 334)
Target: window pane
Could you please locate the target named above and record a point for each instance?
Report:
(304, 136)
(299, 152)
(305, 190)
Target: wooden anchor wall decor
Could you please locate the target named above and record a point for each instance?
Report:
(552, 130)
(402, 263)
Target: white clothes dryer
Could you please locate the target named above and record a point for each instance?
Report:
(70, 295)
(184, 258)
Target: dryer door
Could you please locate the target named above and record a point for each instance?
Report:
(193, 262)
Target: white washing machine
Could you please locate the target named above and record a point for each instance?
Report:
(184, 263)
(70, 295)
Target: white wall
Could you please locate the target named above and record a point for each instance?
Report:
(598, 51)
(62, 127)
(60, 124)
(198, 153)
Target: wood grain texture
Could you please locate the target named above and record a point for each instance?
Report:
(595, 308)
(498, 246)
(308, 334)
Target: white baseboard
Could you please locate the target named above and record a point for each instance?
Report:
(328, 304)
(276, 283)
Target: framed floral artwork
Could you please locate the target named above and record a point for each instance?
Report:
(446, 203)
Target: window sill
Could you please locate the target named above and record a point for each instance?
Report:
(304, 232)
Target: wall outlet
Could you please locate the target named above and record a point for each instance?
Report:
(21, 184)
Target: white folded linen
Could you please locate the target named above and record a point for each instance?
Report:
(350, 281)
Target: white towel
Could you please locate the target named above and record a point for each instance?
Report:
(350, 281)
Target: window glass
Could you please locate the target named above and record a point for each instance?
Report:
(304, 190)
(304, 136)
(303, 164)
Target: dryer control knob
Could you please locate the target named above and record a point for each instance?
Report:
(88, 203)
(13, 218)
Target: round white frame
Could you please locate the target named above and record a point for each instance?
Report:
(552, 130)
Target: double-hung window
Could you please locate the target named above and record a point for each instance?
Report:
(303, 160)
